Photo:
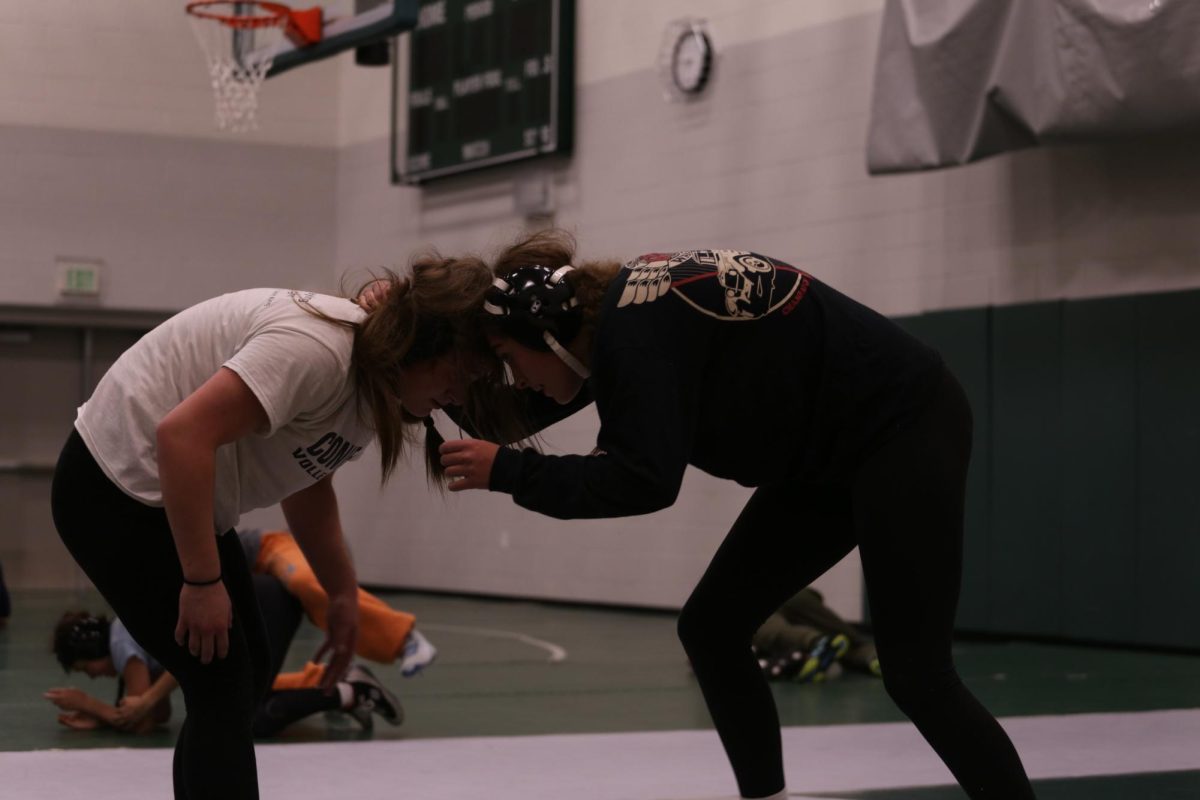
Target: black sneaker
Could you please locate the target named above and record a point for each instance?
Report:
(372, 697)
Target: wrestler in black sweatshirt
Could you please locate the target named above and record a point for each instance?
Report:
(852, 433)
(738, 364)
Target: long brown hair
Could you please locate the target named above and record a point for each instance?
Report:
(427, 314)
(437, 311)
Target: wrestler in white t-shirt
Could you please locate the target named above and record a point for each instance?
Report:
(296, 364)
(243, 401)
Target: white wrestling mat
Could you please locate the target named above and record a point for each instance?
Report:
(673, 765)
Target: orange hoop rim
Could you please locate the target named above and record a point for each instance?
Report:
(276, 13)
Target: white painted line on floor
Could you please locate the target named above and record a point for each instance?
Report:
(557, 653)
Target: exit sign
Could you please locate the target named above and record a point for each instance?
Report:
(79, 278)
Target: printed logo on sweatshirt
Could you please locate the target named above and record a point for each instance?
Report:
(325, 455)
(730, 285)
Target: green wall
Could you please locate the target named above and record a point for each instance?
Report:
(1083, 507)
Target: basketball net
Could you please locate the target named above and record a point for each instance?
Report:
(240, 39)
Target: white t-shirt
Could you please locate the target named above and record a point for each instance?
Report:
(297, 365)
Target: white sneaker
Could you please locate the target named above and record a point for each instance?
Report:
(419, 653)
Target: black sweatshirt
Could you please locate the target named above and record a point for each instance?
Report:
(736, 363)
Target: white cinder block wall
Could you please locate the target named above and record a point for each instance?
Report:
(108, 152)
(770, 159)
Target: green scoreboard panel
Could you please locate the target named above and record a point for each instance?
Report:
(489, 82)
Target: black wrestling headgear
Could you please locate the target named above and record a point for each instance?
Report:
(538, 308)
(83, 640)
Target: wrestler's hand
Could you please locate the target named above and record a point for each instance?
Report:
(131, 709)
(68, 699)
(468, 463)
(79, 721)
(205, 617)
(340, 639)
(373, 294)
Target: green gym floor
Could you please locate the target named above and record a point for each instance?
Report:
(514, 670)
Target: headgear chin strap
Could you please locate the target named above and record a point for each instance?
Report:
(565, 356)
(540, 310)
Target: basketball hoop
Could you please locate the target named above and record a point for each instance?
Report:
(240, 39)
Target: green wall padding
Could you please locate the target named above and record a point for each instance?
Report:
(1083, 506)
(1168, 563)
(1025, 550)
(1099, 461)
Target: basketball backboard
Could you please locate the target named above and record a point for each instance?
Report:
(346, 24)
(247, 41)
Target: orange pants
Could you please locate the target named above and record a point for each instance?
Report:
(307, 678)
(381, 629)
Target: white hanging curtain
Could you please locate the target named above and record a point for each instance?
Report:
(960, 80)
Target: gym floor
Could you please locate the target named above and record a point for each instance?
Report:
(535, 700)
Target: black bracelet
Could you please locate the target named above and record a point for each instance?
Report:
(202, 583)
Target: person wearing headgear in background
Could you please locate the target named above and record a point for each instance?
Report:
(286, 588)
(247, 400)
(851, 432)
(99, 647)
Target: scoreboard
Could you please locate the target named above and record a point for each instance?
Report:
(489, 82)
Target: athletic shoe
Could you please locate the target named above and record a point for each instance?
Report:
(418, 654)
(371, 696)
(863, 658)
(825, 652)
(361, 713)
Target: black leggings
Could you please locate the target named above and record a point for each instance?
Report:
(5, 603)
(281, 613)
(904, 510)
(127, 550)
